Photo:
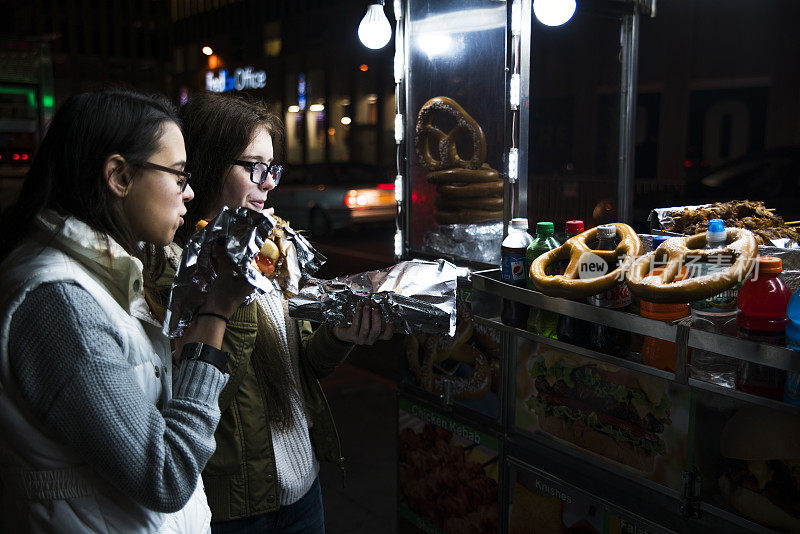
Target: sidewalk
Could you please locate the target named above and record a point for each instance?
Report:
(364, 408)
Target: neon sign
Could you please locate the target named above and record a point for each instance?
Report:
(245, 78)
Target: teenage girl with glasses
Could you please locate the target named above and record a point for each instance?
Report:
(276, 425)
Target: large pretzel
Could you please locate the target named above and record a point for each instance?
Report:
(570, 285)
(446, 143)
(471, 190)
(431, 377)
(679, 251)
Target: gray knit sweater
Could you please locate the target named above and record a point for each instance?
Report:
(67, 359)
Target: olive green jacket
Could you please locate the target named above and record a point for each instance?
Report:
(241, 477)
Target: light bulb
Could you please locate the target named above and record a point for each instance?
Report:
(375, 30)
(553, 12)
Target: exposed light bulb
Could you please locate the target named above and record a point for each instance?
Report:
(516, 18)
(398, 244)
(513, 164)
(513, 91)
(375, 30)
(553, 12)
(398, 128)
(398, 189)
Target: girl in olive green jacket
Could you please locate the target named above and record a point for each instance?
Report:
(276, 425)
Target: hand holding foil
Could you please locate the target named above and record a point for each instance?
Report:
(238, 235)
(417, 296)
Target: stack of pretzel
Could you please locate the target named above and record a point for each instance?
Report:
(469, 191)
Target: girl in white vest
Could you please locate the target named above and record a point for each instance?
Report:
(96, 435)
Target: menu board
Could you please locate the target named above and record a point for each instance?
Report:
(628, 419)
(470, 360)
(447, 473)
(748, 459)
(543, 505)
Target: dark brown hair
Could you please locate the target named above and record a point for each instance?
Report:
(66, 174)
(218, 129)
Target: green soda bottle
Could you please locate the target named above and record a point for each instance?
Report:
(541, 322)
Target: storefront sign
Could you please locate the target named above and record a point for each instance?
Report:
(241, 79)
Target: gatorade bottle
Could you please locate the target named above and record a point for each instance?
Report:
(513, 270)
(656, 352)
(570, 329)
(762, 303)
(541, 322)
(715, 314)
(791, 392)
(605, 338)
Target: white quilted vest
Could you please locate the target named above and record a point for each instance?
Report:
(47, 488)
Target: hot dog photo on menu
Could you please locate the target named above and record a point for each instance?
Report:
(633, 421)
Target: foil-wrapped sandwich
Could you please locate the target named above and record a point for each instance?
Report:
(263, 249)
(418, 296)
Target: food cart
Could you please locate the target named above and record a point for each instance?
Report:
(478, 448)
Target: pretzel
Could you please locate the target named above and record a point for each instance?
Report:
(672, 254)
(446, 143)
(488, 189)
(481, 203)
(466, 216)
(463, 388)
(569, 285)
(459, 175)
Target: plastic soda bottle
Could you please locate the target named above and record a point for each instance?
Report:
(513, 270)
(763, 300)
(541, 322)
(715, 314)
(656, 352)
(571, 329)
(605, 338)
(791, 391)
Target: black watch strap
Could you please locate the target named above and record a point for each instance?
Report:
(205, 353)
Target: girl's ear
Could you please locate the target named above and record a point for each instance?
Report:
(116, 176)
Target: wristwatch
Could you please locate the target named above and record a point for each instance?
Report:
(205, 353)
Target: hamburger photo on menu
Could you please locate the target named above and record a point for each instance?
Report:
(761, 480)
(617, 414)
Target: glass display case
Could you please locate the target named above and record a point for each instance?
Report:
(454, 150)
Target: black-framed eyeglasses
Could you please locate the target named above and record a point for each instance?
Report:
(259, 171)
(183, 174)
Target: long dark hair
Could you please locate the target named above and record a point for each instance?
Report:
(66, 174)
(218, 128)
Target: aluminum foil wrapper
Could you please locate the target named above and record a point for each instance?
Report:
(474, 242)
(241, 233)
(660, 218)
(418, 296)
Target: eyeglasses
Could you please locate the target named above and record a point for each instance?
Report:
(183, 174)
(259, 171)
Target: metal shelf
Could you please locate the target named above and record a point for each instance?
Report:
(742, 349)
(490, 282)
